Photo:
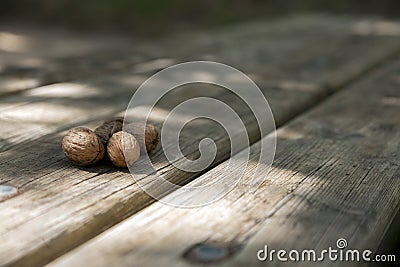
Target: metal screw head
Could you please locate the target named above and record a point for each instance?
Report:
(7, 191)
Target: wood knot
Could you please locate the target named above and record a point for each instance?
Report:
(7, 191)
(210, 252)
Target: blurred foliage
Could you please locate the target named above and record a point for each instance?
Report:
(152, 16)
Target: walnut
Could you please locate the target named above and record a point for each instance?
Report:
(115, 149)
(82, 146)
(108, 128)
(151, 140)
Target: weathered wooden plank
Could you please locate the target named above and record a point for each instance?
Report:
(302, 53)
(96, 197)
(17, 78)
(69, 205)
(285, 49)
(25, 64)
(52, 108)
(31, 57)
(335, 175)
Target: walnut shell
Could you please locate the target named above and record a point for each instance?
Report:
(108, 128)
(151, 139)
(115, 149)
(82, 146)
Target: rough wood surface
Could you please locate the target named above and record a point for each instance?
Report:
(68, 205)
(296, 54)
(30, 57)
(60, 206)
(335, 175)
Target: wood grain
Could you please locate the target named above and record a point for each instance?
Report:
(60, 206)
(316, 53)
(32, 56)
(335, 175)
(68, 205)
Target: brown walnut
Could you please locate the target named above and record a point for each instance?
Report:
(151, 137)
(108, 128)
(82, 146)
(123, 149)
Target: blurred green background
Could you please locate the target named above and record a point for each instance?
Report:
(160, 16)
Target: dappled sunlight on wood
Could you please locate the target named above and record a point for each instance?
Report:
(157, 114)
(294, 86)
(70, 90)
(391, 101)
(380, 28)
(288, 133)
(10, 42)
(43, 113)
(10, 84)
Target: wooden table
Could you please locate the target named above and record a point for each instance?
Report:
(333, 83)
